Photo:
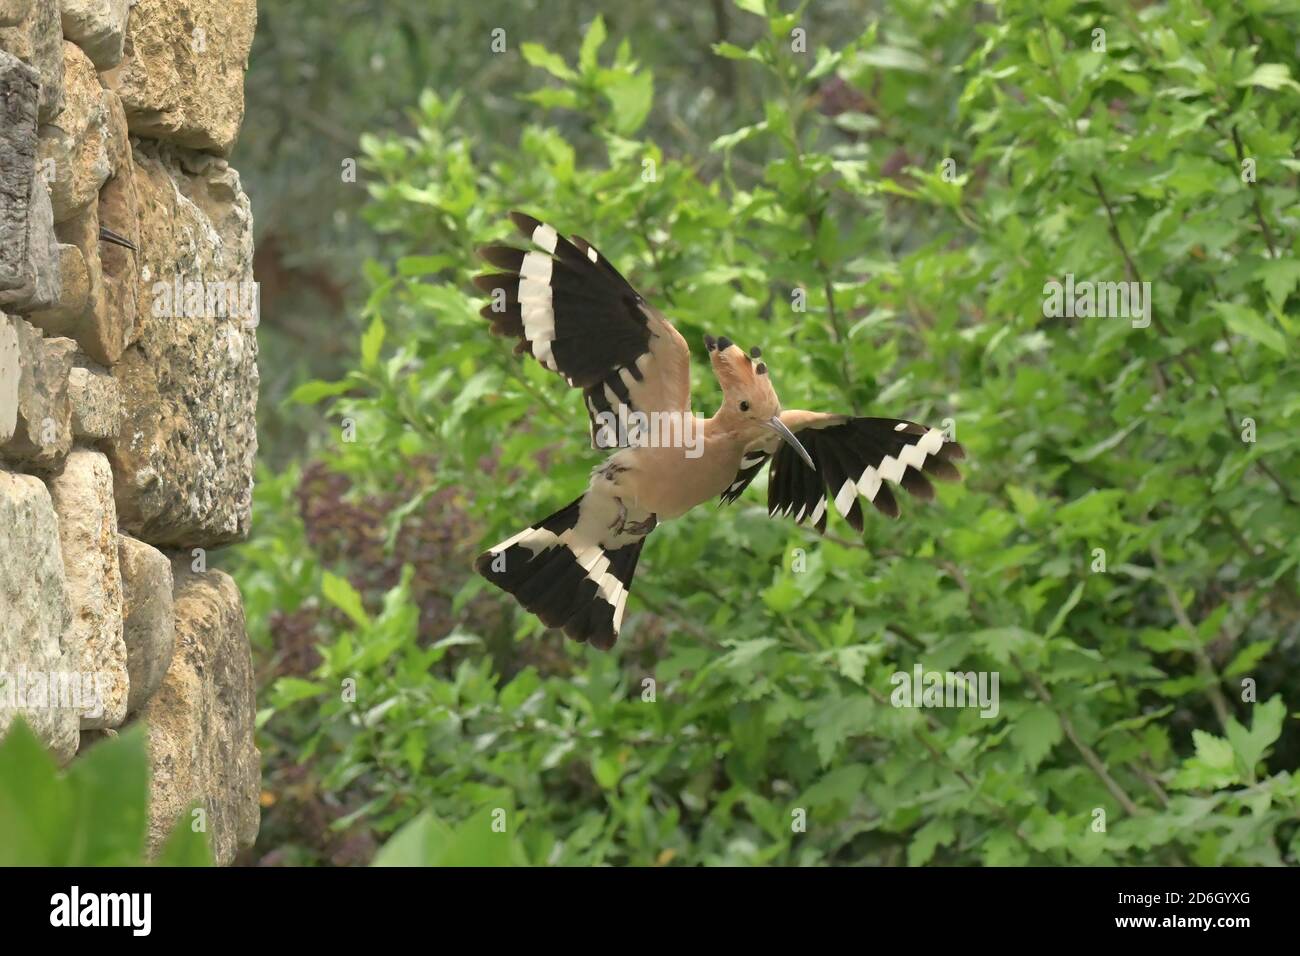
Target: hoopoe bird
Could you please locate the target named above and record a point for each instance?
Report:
(569, 308)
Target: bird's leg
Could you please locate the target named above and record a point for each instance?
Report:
(642, 528)
(621, 520)
(621, 525)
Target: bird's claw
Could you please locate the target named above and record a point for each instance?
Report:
(621, 525)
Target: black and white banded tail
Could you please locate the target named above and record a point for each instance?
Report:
(570, 583)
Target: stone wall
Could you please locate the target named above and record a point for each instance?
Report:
(128, 389)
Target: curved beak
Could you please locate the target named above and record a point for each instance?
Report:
(787, 436)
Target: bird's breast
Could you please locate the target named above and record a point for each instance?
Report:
(668, 482)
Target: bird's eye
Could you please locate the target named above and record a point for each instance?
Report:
(744, 406)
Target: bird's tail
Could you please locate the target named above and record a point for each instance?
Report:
(567, 581)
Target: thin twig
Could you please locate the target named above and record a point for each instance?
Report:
(1203, 662)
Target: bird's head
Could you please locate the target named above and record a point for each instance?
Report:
(749, 403)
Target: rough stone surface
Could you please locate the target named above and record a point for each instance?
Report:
(98, 27)
(33, 615)
(41, 286)
(102, 332)
(31, 31)
(182, 79)
(43, 424)
(96, 403)
(75, 144)
(148, 624)
(128, 391)
(10, 370)
(74, 293)
(184, 463)
(29, 270)
(200, 721)
(118, 211)
(19, 86)
(83, 500)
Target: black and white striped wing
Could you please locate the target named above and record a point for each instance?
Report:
(750, 465)
(572, 311)
(857, 457)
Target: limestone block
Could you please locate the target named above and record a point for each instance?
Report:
(74, 145)
(98, 27)
(96, 403)
(182, 79)
(10, 371)
(31, 31)
(29, 255)
(184, 464)
(101, 330)
(201, 719)
(34, 614)
(149, 626)
(74, 294)
(19, 87)
(43, 421)
(118, 202)
(83, 501)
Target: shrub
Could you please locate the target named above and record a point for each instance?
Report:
(1122, 553)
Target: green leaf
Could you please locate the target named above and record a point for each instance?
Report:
(591, 43)
(1035, 732)
(537, 55)
(309, 393)
(728, 140)
(372, 342)
(290, 690)
(1213, 766)
(1279, 277)
(837, 719)
(893, 58)
(607, 771)
(730, 51)
(839, 786)
(1066, 607)
(1271, 76)
(631, 97)
(421, 842)
(1250, 745)
(92, 814)
(744, 654)
(938, 832)
(34, 808)
(1248, 322)
(184, 846)
(424, 265)
(340, 592)
(550, 98)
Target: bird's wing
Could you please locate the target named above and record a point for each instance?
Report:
(572, 311)
(855, 456)
(751, 463)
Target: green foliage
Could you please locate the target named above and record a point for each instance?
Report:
(1120, 554)
(94, 814)
(479, 841)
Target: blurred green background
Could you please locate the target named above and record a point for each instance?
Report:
(1123, 552)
